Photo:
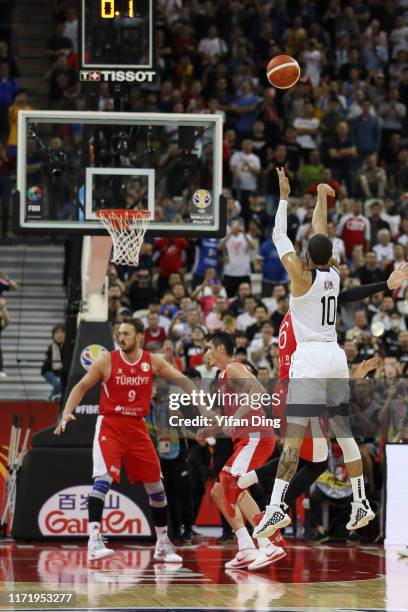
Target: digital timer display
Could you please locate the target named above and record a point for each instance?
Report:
(109, 10)
(117, 34)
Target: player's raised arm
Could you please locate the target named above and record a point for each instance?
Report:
(319, 219)
(97, 371)
(292, 263)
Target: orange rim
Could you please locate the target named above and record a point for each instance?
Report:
(122, 212)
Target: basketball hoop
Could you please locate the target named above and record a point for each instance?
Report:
(127, 229)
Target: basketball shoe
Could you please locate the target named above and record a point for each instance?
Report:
(166, 552)
(361, 515)
(274, 518)
(97, 548)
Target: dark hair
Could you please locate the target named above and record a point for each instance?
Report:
(58, 328)
(320, 249)
(137, 324)
(241, 351)
(261, 306)
(223, 339)
(268, 322)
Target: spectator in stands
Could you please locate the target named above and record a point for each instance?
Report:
(311, 171)
(21, 102)
(260, 315)
(212, 48)
(237, 267)
(245, 167)
(5, 189)
(9, 87)
(114, 303)
(52, 369)
(377, 223)
(384, 249)
(354, 228)
(273, 272)
(339, 250)
(58, 43)
(247, 318)
(71, 27)
(372, 178)
(307, 127)
(392, 113)
(154, 334)
(342, 154)
(140, 289)
(367, 132)
(258, 350)
(170, 253)
(370, 272)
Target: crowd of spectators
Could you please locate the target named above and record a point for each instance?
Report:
(344, 123)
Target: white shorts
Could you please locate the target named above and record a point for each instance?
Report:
(318, 379)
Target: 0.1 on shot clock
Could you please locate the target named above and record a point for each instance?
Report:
(109, 10)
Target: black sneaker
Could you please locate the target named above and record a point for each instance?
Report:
(320, 537)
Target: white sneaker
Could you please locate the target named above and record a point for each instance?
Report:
(97, 549)
(361, 515)
(166, 552)
(274, 518)
(3, 374)
(403, 552)
(242, 559)
(266, 556)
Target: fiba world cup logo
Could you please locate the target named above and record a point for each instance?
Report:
(202, 199)
(90, 354)
(34, 194)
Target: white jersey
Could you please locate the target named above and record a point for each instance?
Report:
(314, 314)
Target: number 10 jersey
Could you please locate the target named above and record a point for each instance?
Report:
(314, 313)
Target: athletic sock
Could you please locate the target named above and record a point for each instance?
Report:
(263, 542)
(93, 530)
(357, 485)
(161, 533)
(279, 491)
(244, 539)
(247, 480)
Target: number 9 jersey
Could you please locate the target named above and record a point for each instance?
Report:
(128, 390)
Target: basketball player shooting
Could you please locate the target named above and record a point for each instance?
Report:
(121, 432)
(318, 372)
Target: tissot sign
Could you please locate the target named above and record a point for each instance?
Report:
(66, 514)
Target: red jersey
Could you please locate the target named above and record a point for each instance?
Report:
(354, 230)
(128, 390)
(287, 346)
(230, 404)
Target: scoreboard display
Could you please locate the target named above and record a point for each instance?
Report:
(118, 40)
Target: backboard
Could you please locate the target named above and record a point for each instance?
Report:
(70, 164)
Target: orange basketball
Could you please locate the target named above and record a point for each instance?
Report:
(283, 71)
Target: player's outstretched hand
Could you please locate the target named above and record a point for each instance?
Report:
(65, 419)
(326, 190)
(284, 186)
(397, 277)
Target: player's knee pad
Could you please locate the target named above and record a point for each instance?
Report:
(101, 486)
(350, 449)
(156, 493)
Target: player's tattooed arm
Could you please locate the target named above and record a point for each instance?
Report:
(288, 463)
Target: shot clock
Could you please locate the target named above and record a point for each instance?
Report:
(118, 40)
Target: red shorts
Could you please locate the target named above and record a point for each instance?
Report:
(119, 438)
(249, 454)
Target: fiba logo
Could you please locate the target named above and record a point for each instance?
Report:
(34, 194)
(202, 199)
(145, 367)
(90, 354)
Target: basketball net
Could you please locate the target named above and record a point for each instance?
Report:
(127, 229)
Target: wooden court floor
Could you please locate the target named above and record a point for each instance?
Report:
(311, 577)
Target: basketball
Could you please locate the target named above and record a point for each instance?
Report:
(283, 71)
